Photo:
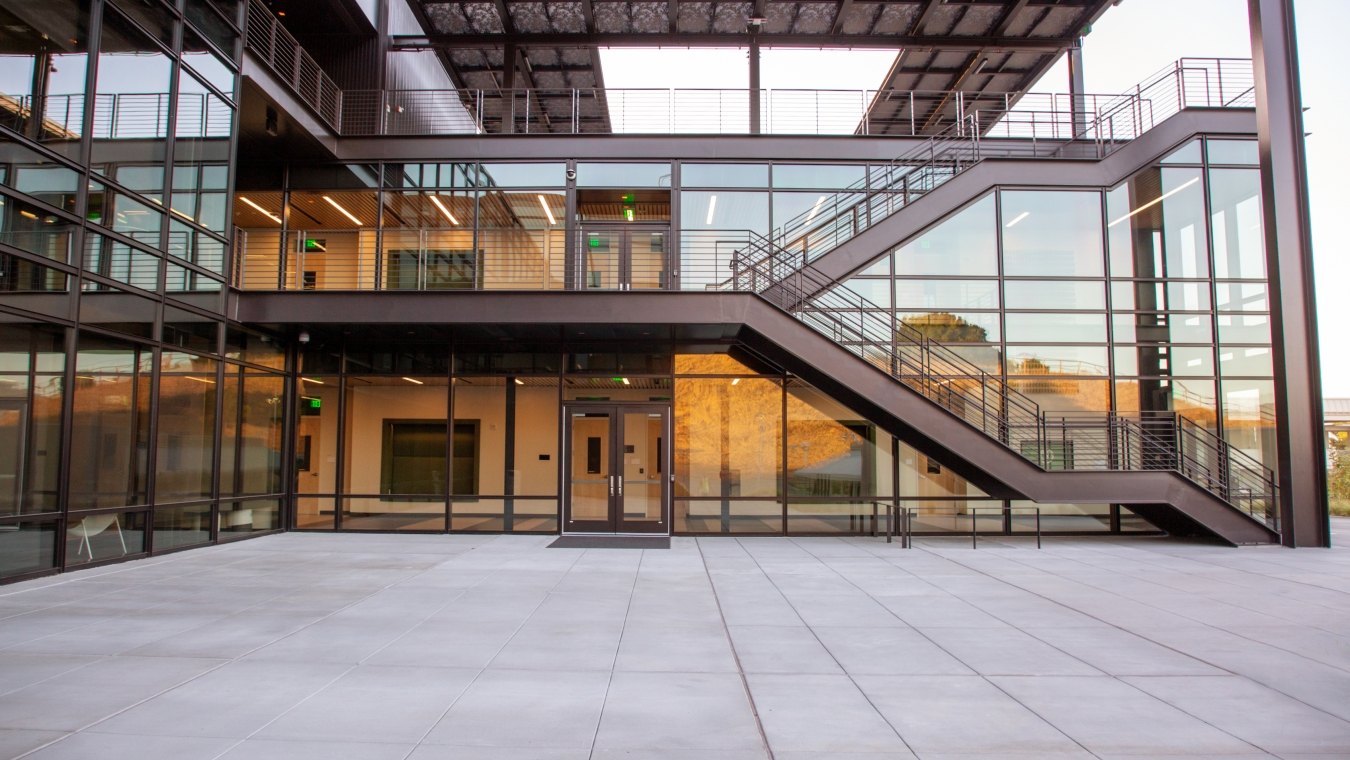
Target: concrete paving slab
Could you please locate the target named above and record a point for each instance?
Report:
(376, 647)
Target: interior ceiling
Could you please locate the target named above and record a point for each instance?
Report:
(985, 49)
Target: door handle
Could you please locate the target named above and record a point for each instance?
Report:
(621, 485)
(611, 485)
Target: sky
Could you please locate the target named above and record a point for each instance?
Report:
(1131, 41)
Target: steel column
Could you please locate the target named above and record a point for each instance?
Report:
(754, 84)
(1300, 442)
(1077, 89)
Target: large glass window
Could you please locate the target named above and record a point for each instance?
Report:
(316, 453)
(1249, 418)
(1084, 295)
(952, 327)
(1025, 327)
(201, 155)
(536, 437)
(723, 210)
(34, 173)
(30, 417)
(962, 245)
(104, 536)
(331, 245)
(428, 241)
(1236, 221)
(131, 102)
(728, 436)
(522, 240)
(522, 175)
(1052, 233)
(724, 175)
(623, 175)
(110, 433)
(833, 461)
(27, 547)
(185, 456)
(946, 294)
(828, 176)
(478, 454)
(251, 437)
(404, 486)
(1156, 225)
(55, 43)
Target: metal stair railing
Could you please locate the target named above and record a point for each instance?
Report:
(1153, 440)
(1188, 83)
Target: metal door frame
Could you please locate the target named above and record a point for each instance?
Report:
(625, 232)
(616, 410)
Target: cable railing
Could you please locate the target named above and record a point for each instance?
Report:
(288, 60)
(697, 111)
(1032, 132)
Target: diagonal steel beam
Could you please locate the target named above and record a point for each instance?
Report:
(844, 7)
(924, 15)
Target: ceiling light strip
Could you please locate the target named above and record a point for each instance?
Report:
(436, 200)
(1156, 201)
(344, 211)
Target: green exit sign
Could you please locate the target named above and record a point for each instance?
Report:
(315, 245)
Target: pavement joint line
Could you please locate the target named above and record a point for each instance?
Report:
(614, 663)
(1201, 623)
(735, 655)
(1186, 654)
(467, 687)
(954, 656)
(205, 673)
(832, 655)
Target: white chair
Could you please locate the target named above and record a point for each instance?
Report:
(93, 525)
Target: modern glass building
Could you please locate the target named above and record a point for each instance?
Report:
(402, 265)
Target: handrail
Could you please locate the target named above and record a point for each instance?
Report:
(1188, 83)
(287, 58)
(902, 518)
(1052, 441)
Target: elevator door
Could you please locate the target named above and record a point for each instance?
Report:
(617, 469)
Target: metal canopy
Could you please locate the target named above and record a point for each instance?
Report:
(945, 46)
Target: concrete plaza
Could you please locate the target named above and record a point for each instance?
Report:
(303, 646)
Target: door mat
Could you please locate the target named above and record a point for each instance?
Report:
(611, 542)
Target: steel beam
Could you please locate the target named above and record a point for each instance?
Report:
(1299, 438)
(860, 41)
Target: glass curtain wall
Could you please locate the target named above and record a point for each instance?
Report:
(163, 420)
(753, 451)
(490, 465)
(503, 225)
(1148, 297)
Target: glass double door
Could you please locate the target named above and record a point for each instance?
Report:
(617, 469)
(623, 257)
